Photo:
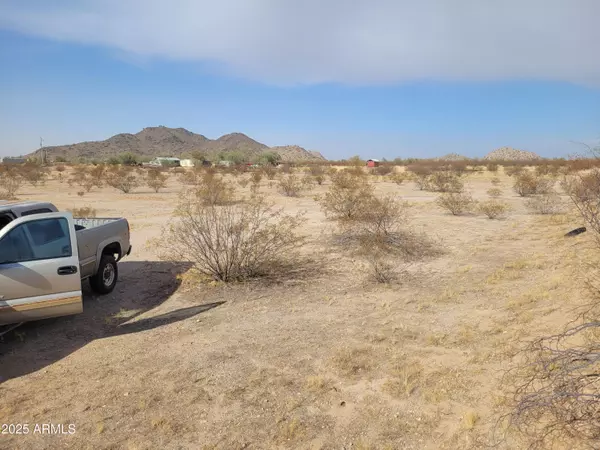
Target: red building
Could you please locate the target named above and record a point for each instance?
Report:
(372, 163)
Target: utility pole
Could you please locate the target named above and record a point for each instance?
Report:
(42, 151)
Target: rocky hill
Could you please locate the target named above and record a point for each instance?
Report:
(164, 141)
(511, 154)
(453, 157)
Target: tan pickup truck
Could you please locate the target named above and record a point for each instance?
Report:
(45, 255)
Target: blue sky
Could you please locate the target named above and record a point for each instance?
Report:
(68, 82)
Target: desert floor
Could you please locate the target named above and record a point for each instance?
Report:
(323, 360)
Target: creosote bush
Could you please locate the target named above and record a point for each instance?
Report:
(212, 189)
(493, 209)
(290, 185)
(123, 179)
(456, 203)
(549, 203)
(233, 242)
(347, 198)
(527, 184)
(494, 192)
(156, 179)
(10, 182)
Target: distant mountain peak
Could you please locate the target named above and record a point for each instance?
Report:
(164, 141)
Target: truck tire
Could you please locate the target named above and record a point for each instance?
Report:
(104, 281)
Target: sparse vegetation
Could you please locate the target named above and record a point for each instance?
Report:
(549, 203)
(122, 179)
(156, 180)
(527, 184)
(456, 203)
(493, 209)
(232, 242)
(83, 212)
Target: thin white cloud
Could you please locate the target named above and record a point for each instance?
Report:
(349, 41)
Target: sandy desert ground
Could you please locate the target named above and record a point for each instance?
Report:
(328, 360)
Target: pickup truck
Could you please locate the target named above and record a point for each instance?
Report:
(46, 254)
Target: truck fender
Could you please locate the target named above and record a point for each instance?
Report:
(111, 243)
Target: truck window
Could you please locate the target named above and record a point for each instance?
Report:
(4, 220)
(32, 241)
(36, 211)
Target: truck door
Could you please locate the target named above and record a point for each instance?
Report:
(39, 268)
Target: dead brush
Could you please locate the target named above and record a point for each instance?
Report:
(156, 180)
(347, 198)
(10, 182)
(445, 181)
(493, 209)
(212, 189)
(398, 178)
(291, 186)
(584, 191)
(456, 203)
(122, 179)
(83, 212)
(234, 242)
(527, 184)
(494, 192)
(549, 203)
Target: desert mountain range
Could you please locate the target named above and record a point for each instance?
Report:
(165, 141)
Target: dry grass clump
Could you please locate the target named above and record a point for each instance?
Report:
(33, 173)
(493, 209)
(527, 184)
(496, 181)
(494, 192)
(545, 204)
(512, 171)
(456, 203)
(398, 178)
(234, 242)
(83, 212)
(492, 167)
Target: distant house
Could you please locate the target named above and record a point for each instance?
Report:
(225, 163)
(165, 161)
(187, 163)
(12, 160)
(372, 163)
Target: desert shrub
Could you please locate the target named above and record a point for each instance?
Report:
(347, 197)
(492, 167)
(380, 266)
(316, 171)
(232, 242)
(382, 170)
(494, 192)
(584, 192)
(189, 178)
(80, 193)
(10, 182)
(83, 212)
(445, 181)
(398, 178)
(319, 179)
(493, 209)
(33, 173)
(156, 180)
(422, 181)
(286, 168)
(97, 174)
(291, 185)
(549, 203)
(60, 168)
(270, 172)
(512, 171)
(122, 179)
(213, 190)
(256, 177)
(456, 203)
(527, 184)
(496, 181)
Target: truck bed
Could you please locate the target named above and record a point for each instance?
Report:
(87, 223)
(94, 233)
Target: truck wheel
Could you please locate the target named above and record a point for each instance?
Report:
(106, 278)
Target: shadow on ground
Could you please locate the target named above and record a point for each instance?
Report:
(142, 287)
